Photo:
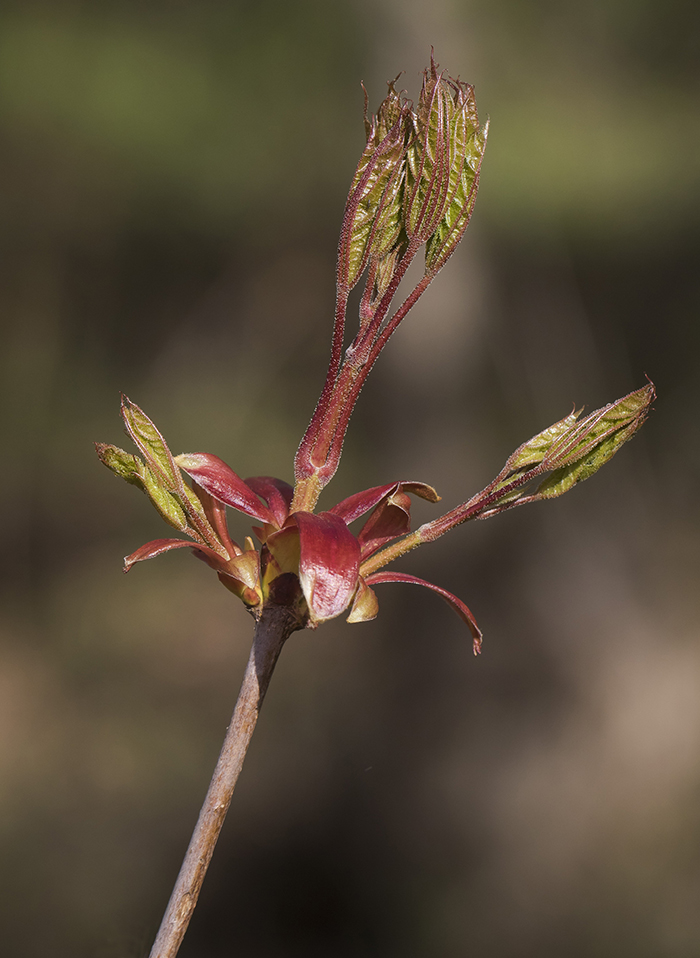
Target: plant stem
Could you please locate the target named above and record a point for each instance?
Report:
(272, 629)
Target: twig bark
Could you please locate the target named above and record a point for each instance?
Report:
(272, 630)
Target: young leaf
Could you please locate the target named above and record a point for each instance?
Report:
(165, 502)
(122, 464)
(460, 203)
(572, 450)
(152, 445)
(532, 452)
(373, 208)
(565, 478)
(133, 470)
(428, 157)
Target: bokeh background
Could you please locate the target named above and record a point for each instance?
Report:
(172, 176)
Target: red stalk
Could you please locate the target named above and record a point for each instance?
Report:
(302, 459)
(329, 423)
(342, 419)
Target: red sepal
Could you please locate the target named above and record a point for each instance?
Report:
(221, 482)
(460, 608)
(154, 548)
(329, 564)
(277, 493)
(356, 505)
(390, 519)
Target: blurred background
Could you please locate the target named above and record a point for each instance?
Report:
(172, 177)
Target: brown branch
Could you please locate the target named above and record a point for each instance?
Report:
(272, 630)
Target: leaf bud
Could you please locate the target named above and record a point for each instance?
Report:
(443, 164)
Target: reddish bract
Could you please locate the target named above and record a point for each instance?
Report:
(221, 482)
(329, 564)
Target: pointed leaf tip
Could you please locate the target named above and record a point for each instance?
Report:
(151, 444)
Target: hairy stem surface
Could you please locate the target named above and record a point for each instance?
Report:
(272, 630)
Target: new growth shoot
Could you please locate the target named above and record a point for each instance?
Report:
(414, 190)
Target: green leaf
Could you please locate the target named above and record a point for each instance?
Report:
(565, 478)
(152, 445)
(165, 502)
(464, 181)
(389, 111)
(195, 506)
(428, 158)
(443, 165)
(373, 213)
(159, 477)
(133, 470)
(122, 463)
(532, 452)
(388, 221)
(385, 271)
(587, 434)
(571, 450)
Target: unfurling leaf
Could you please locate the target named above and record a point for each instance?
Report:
(133, 470)
(373, 213)
(563, 479)
(624, 416)
(165, 502)
(571, 450)
(460, 202)
(160, 478)
(443, 164)
(532, 452)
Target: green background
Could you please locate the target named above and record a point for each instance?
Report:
(172, 177)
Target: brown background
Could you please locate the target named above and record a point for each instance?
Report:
(172, 176)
